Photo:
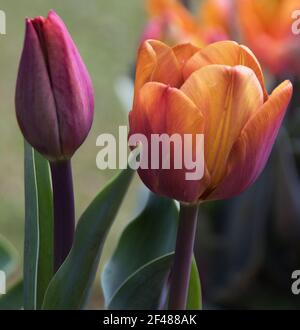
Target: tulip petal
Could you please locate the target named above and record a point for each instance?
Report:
(184, 52)
(71, 84)
(35, 105)
(226, 53)
(252, 149)
(227, 97)
(161, 109)
(157, 62)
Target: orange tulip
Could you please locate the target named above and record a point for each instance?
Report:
(217, 91)
(171, 22)
(217, 20)
(267, 29)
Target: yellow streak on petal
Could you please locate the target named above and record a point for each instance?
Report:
(252, 148)
(227, 97)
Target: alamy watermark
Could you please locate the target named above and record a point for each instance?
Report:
(157, 151)
(2, 282)
(2, 22)
(296, 283)
(296, 23)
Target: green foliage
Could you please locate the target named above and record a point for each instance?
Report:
(136, 276)
(71, 285)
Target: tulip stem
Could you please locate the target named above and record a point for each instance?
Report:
(64, 210)
(183, 257)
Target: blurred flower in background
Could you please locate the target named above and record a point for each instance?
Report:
(217, 21)
(266, 27)
(171, 22)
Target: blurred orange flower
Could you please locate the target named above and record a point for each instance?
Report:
(171, 22)
(217, 91)
(267, 28)
(217, 20)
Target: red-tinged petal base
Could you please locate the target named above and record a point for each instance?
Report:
(164, 110)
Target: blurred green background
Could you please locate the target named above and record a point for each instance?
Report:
(107, 35)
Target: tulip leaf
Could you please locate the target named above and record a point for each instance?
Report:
(38, 250)
(8, 257)
(45, 206)
(194, 301)
(13, 299)
(143, 289)
(147, 238)
(135, 276)
(31, 244)
(70, 286)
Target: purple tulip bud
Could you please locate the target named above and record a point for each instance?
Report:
(54, 93)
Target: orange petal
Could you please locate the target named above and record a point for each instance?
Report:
(252, 149)
(184, 52)
(227, 53)
(227, 97)
(169, 110)
(161, 109)
(157, 62)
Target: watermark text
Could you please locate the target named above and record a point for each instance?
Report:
(2, 22)
(2, 282)
(154, 152)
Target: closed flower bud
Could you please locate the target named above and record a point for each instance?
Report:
(54, 94)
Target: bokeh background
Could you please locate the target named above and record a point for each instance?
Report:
(247, 247)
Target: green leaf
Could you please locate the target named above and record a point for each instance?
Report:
(194, 296)
(143, 290)
(38, 250)
(8, 256)
(45, 206)
(31, 243)
(151, 235)
(70, 287)
(13, 299)
(136, 274)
